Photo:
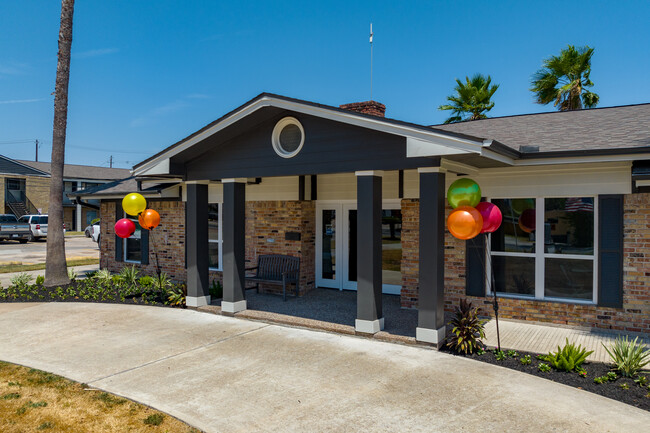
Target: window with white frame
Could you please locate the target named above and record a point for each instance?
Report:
(545, 248)
(214, 236)
(132, 245)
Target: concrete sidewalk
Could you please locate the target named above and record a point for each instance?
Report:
(225, 374)
(544, 338)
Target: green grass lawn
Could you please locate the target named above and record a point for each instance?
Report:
(4, 269)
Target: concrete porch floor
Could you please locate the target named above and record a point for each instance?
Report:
(335, 311)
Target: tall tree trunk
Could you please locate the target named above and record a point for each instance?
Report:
(56, 271)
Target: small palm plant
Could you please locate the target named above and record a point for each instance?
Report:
(629, 356)
(129, 275)
(468, 329)
(103, 276)
(568, 358)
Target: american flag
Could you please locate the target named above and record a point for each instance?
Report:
(577, 204)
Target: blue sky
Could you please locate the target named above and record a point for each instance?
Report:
(145, 74)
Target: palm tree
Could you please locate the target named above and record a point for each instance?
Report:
(56, 270)
(563, 79)
(472, 99)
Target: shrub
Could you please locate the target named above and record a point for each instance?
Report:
(21, 280)
(216, 290)
(525, 360)
(72, 274)
(629, 356)
(467, 329)
(512, 353)
(499, 355)
(162, 282)
(146, 281)
(40, 280)
(601, 379)
(176, 296)
(129, 274)
(568, 358)
(103, 276)
(641, 380)
(544, 367)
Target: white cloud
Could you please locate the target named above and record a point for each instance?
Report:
(21, 101)
(13, 68)
(158, 112)
(94, 53)
(197, 96)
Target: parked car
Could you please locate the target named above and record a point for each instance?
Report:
(11, 228)
(38, 226)
(96, 235)
(89, 229)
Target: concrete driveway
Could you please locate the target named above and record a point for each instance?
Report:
(224, 374)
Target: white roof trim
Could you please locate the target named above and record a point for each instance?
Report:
(440, 141)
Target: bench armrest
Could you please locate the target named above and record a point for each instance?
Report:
(295, 271)
(250, 269)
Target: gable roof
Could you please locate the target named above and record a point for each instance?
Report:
(434, 140)
(11, 166)
(601, 129)
(117, 189)
(75, 171)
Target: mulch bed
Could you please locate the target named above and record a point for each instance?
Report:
(635, 395)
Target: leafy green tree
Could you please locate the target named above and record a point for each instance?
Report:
(564, 78)
(472, 99)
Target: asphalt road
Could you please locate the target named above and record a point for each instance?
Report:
(34, 252)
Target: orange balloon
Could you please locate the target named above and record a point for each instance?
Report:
(465, 222)
(149, 219)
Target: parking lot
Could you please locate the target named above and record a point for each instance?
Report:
(77, 247)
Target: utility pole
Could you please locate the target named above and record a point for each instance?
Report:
(111, 162)
(371, 34)
(36, 151)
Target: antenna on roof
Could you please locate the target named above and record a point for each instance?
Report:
(371, 61)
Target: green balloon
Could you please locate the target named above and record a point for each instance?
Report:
(519, 205)
(464, 192)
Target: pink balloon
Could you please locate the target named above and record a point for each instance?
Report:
(527, 220)
(124, 228)
(491, 216)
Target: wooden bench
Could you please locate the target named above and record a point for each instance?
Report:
(276, 269)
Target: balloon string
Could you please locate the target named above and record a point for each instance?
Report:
(492, 286)
(155, 252)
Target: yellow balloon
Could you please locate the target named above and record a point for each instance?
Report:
(134, 203)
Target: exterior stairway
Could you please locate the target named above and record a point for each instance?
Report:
(18, 208)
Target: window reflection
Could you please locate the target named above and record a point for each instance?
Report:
(569, 225)
(517, 231)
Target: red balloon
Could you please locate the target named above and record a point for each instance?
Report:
(491, 216)
(527, 220)
(124, 228)
(464, 222)
(149, 219)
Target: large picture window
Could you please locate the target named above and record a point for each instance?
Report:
(214, 236)
(544, 248)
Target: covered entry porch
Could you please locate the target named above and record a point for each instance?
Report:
(272, 137)
(347, 256)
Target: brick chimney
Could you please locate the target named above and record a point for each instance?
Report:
(373, 108)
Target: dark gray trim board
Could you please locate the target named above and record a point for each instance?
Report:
(119, 242)
(610, 251)
(431, 289)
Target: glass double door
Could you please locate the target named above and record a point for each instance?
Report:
(336, 246)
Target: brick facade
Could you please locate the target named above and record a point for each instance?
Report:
(634, 316)
(37, 190)
(267, 222)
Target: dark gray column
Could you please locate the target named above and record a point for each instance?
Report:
(196, 236)
(234, 245)
(370, 317)
(431, 296)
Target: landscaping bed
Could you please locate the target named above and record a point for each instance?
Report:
(125, 288)
(634, 394)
